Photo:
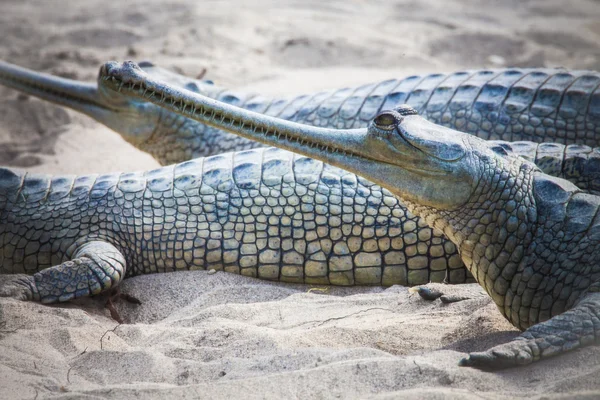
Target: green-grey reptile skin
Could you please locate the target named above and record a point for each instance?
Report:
(392, 234)
(264, 213)
(538, 105)
(530, 239)
(387, 238)
(513, 104)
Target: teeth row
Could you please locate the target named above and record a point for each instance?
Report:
(143, 92)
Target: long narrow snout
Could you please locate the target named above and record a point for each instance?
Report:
(322, 143)
(80, 96)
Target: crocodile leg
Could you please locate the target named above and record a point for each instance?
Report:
(577, 327)
(94, 268)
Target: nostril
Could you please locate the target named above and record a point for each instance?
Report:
(405, 109)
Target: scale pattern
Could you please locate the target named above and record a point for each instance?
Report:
(538, 105)
(269, 214)
(265, 213)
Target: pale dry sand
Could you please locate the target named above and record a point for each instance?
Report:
(225, 336)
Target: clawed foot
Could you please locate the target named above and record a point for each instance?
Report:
(433, 294)
(506, 355)
(117, 295)
(20, 287)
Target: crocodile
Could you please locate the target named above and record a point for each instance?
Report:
(531, 240)
(392, 235)
(317, 195)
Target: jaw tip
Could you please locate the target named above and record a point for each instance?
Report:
(126, 72)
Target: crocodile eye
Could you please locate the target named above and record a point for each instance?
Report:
(385, 120)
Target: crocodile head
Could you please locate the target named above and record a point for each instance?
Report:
(134, 119)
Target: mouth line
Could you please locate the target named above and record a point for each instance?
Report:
(143, 91)
(410, 167)
(426, 171)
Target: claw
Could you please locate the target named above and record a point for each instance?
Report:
(21, 287)
(110, 303)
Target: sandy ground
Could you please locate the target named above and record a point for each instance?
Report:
(225, 336)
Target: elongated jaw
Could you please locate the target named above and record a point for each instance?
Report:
(80, 96)
(128, 78)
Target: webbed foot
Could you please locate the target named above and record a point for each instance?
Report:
(577, 327)
(20, 287)
(96, 266)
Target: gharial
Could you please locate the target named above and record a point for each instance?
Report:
(320, 224)
(514, 104)
(528, 238)
(531, 240)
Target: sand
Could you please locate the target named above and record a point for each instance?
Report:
(216, 336)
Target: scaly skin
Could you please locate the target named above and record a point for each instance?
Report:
(530, 239)
(539, 105)
(170, 136)
(264, 213)
(575, 163)
(420, 254)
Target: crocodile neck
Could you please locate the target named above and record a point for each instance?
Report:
(495, 227)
